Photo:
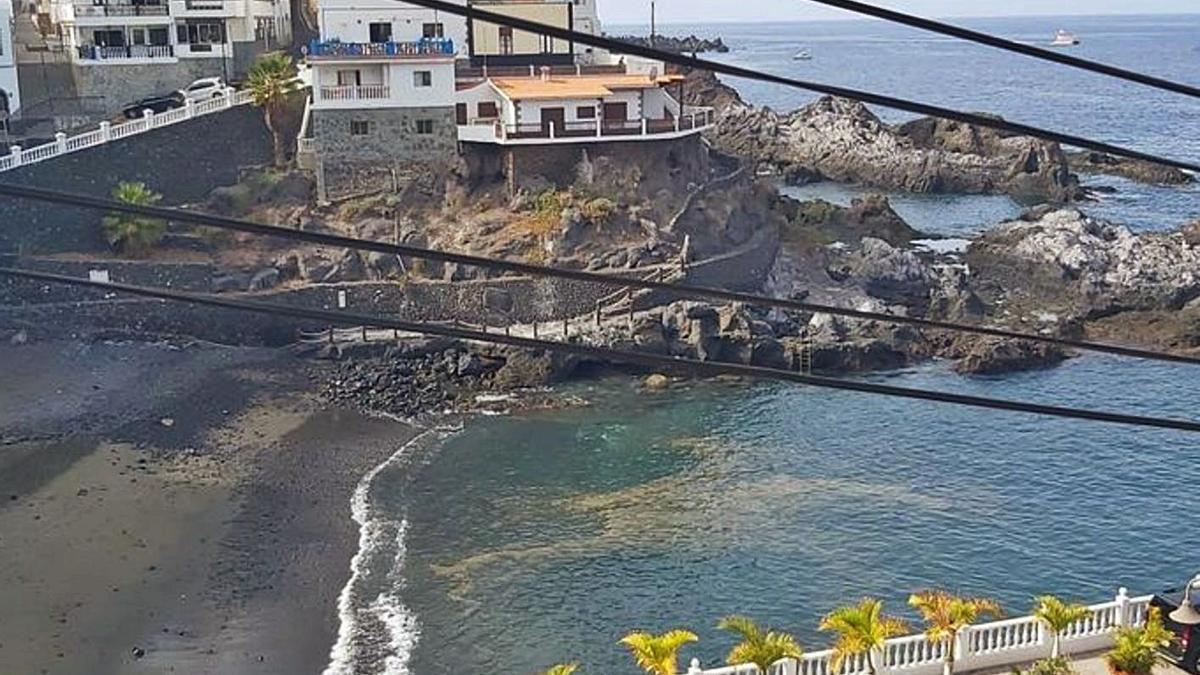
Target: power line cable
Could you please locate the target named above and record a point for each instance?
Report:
(691, 366)
(916, 107)
(681, 290)
(1010, 45)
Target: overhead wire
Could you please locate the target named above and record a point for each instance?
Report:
(690, 366)
(917, 107)
(679, 290)
(990, 40)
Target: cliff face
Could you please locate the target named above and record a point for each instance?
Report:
(841, 140)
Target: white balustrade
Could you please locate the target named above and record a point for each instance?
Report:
(107, 131)
(998, 644)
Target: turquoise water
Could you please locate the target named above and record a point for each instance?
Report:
(540, 537)
(543, 536)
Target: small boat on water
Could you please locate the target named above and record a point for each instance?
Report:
(802, 55)
(1064, 38)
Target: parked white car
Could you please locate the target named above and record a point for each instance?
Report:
(204, 89)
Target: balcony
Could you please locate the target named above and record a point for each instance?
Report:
(128, 52)
(318, 50)
(694, 120)
(119, 9)
(207, 8)
(364, 92)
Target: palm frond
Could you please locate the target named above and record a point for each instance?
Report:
(1058, 614)
(759, 647)
(562, 669)
(658, 654)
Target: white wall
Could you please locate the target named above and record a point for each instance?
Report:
(475, 95)
(400, 78)
(530, 112)
(350, 20)
(8, 68)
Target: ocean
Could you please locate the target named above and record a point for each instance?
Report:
(505, 544)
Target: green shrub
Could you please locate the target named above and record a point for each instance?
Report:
(1059, 665)
(129, 233)
(1135, 649)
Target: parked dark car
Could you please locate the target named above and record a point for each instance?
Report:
(1186, 651)
(159, 104)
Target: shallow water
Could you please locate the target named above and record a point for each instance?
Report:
(544, 536)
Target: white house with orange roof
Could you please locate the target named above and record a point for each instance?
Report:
(583, 108)
(10, 92)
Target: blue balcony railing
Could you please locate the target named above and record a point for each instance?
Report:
(424, 47)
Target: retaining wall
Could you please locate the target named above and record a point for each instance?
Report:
(184, 162)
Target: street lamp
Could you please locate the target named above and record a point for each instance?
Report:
(1186, 614)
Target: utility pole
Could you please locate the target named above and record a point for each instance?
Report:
(652, 26)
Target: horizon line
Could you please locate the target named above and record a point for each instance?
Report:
(852, 17)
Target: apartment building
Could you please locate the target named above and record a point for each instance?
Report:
(122, 50)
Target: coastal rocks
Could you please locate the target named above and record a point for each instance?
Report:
(656, 382)
(1064, 260)
(995, 356)
(817, 220)
(838, 139)
(677, 45)
(895, 276)
(1133, 169)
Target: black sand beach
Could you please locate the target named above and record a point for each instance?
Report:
(172, 508)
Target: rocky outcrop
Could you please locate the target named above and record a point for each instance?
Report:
(1065, 261)
(703, 88)
(677, 45)
(994, 356)
(1133, 169)
(841, 140)
(870, 216)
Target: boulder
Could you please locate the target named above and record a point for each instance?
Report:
(656, 382)
(892, 275)
(994, 356)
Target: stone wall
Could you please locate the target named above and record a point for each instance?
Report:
(659, 164)
(184, 162)
(390, 148)
(117, 85)
(195, 277)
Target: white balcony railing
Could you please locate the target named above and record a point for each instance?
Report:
(999, 644)
(107, 132)
(492, 131)
(362, 92)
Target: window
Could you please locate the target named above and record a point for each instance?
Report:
(349, 78)
(425, 127)
(423, 78)
(201, 35)
(137, 36)
(506, 40)
(433, 30)
(360, 127)
(381, 32)
(586, 112)
(108, 38)
(488, 110)
(158, 36)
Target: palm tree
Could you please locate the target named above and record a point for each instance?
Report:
(271, 80)
(562, 669)
(762, 648)
(130, 233)
(1057, 615)
(945, 614)
(861, 629)
(658, 654)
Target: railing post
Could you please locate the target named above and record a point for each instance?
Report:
(147, 119)
(679, 120)
(105, 132)
(645, 123)
(694, 668)
(961, 639)
(15, 151)
(552, 136)
(189, 108)
(1122, 611)
(60, 142)
(229, 92)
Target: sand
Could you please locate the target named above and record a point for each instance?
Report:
(173, 510)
